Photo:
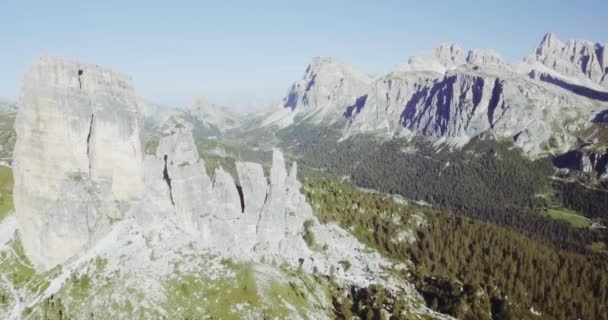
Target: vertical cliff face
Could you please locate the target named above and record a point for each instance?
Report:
(78, 151)
(470, 100)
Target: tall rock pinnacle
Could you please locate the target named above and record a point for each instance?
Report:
(78, 152)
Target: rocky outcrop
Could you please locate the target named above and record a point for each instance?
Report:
(260, 217)
(453, 95)
(326, 90)
(78, 155)
(79, 168)
(485, 57)
(468, 101)
(449, 55)
(579, 61)
(384, 104)
(588, 161)
(331, 91)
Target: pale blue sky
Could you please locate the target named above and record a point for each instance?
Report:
(253, 50)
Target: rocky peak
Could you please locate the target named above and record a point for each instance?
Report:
(579, 62)
(78, 130)
(327, 88)
(450, 55)
(485, 57)
(550, 44)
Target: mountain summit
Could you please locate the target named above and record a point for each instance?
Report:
(455, 95)
(575, 60)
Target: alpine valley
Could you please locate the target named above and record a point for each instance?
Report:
(456, 185)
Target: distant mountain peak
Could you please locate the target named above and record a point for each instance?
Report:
(450, 54)
(549, 43)
(580, 62)
(453, 94)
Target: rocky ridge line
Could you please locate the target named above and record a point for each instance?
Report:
(452, 95)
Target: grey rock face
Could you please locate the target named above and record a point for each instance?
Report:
(450, 55)
(266, 215)
(70, 115)
(485, 57)
(327, 88)
(331, 91)
(383, 106)
(79, 168)
(452, 95)
(578, 59)
(182, 173)
(467, 102)
(254, 184)
(225, 193)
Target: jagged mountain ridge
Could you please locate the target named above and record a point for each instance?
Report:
(455, 95)
(583, 60)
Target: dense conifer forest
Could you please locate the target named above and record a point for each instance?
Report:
(486, 179)
(469, 268)
(593, 202)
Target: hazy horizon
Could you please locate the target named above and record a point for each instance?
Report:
(246, 52)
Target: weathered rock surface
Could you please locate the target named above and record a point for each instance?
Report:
(453, 96)
(326, 90)
(580, 60)
(485, 57)
(264, 213)
(467, 102)
(79, 168)
(78, 132)
(449, 55)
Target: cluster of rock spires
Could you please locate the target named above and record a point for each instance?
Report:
(574, 58)
(456, 95)
(79, 167)
(261, 215)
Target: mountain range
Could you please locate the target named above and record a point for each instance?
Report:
(456, 185)
(541, 103)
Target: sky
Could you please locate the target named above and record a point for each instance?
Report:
(249, 52)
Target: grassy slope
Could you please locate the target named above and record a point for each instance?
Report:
(6, 191)
(570, 216)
